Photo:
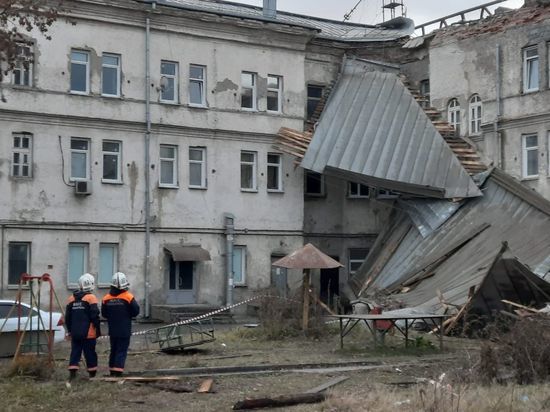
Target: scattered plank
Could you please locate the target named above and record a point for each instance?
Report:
(321, 303)
(206, 386)
(280, 401)
(329, 384)
(519, 306)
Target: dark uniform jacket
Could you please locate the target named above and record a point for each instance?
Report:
(82, 316)
(119, 307)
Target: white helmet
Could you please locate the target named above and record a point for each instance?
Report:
(86, 282)
(119, 281)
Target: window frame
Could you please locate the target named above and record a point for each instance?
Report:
(22, 151)
(21, 59)
(311, 99)
(352, 261)
(279, 167)
(454, 115)
(118, 155)
(254, 89)
(88, 162)
(243, 248)
(28, 260)
(278, 90)
(322, 183)
(202, 163)
(254, 166)
(175, 167)
(118, 74)
(474, 122)
(175, 77)
(115, 247)
(86, 261)
(359, 194)
(386, 194)
(202, 82)
(525, 156)
(527, 65)
(87, 64)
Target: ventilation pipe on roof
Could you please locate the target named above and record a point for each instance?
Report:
(270, 9)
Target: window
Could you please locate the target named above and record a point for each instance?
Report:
(357, 190)
(274, 172)
(453, 115)
(248, 171)
(108, 263)
(22, 155)
(112, 172)
(314, 183)
(197, 79)
(386, 194)
(248, 91)
(78, 262)
(314, 95)
(168, 165)
(425, 93)
(239, 265)
(530, 156)
(110, 75)
(168, 82)
(530, 69)
(80, 72)
(274, 93)
(22, 72)
(475, 114)
(19, 258)
(80, 159)
(356, 259)
(197, 167)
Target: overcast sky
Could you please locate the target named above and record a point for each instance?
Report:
(370, 11)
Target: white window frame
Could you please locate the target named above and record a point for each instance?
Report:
(322, 193)
(22, 152)
(202, 164)
(351, 261)
(525, 152)
(527, 67)
(87, 153)
(119, 161)
(279, 172)
(358, 194)
(254, 89)
(86, 248)
(202, 82)
(453, 115)
(476, 107)
(118, 71)
(175, 77)
(243, 265)
(23, 58)
(278, 90)
(28, 259)
(102, 246)
(174, 161)
(87, 64)
(254, 165)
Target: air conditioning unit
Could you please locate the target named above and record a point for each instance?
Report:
(83, 187)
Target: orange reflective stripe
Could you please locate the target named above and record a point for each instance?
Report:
(70, 300)
(127, 296)
(91, 299)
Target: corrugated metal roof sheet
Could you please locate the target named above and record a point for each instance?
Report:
(329, 29)
(374, 131)
(506, 213)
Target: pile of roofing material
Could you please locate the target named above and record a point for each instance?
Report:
(461, 263)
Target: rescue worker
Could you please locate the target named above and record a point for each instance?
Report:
(119, 307)
(83, 327)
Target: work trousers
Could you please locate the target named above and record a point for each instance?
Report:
(119, 351)
(88, 347)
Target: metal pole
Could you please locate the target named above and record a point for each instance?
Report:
(147, 164)
(229, 239)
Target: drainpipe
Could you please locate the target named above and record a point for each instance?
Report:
(2, 241)
(500, 148)
(229, 221)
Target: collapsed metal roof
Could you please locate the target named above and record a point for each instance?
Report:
(374, 132)
(328, 29)
(461, 252)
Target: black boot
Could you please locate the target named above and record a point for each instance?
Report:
(116, 373)
(72, 374)
(92, 374)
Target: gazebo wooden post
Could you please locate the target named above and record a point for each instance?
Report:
(305, 313)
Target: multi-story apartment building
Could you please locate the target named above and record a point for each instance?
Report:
(140, 139)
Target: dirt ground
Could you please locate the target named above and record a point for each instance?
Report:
(381, 379)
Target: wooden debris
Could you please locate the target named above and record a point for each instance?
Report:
(280, 401)
(321, 303)
(169, 386)
(329, 384)
(141, 379)
(206, 386)
(517, 305)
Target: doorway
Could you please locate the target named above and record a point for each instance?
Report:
(182, 283)
(330, 285)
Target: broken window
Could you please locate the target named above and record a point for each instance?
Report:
(314, 183)
(239, 265)
(19, 257)
(197, 167)
(248, 171)
(168, 166)
(78, 262)
(475, 114)
(530, 69)
(168, 82)
(108, 263)
(110, 75)
(274, 93)
(357, 190)
(356, 258)
(197, 87)
(314, 95)
(80, 72)
(453, 115)
(22, 155)
(80, 159)
(112, 151)
(22, 72)
(248, 91)
(274, 172)
(530, 156)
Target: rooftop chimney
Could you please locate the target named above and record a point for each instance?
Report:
(270, 9)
